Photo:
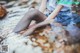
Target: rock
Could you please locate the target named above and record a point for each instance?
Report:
(10, 4)
(16, 43)
(74, 32)
(2, 2)
(3, 12)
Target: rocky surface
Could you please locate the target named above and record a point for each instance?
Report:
(43, 40)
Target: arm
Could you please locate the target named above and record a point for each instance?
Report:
(55, 12)
(43, 6)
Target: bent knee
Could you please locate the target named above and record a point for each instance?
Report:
(34, 12)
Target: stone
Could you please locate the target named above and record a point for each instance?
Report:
(3, 12)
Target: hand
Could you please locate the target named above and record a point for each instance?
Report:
(49, 20)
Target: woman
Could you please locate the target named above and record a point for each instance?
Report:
(59, 11)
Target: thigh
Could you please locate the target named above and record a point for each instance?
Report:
(34, 14)
(38, 16)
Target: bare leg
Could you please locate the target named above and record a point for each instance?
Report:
(33, 14)
(30, 30)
